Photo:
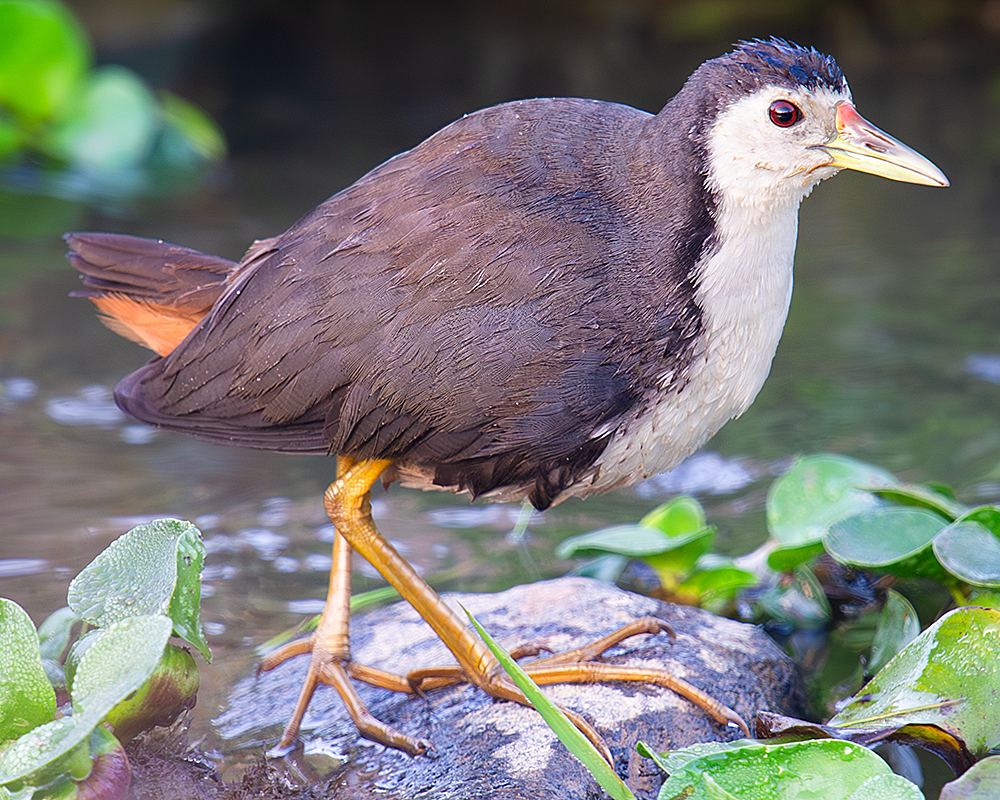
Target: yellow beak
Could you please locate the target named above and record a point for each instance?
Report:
(860, 145)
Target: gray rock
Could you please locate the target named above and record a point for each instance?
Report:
(501, 750)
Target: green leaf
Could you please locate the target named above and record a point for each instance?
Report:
(970, 552)
(54, 632)
(714, 576)
(923, 497)
(886, 787)
(827, 768)
(987, 516)
(152, 569)
(896, 539)
(984, 597)
(672, 549)
(26, 696)
(118, 662)
(681, 515)
(928, 737)
(185, 603)
(114, 124)
(817, 491)
(786, 558)
(190, 137)
(675, 760)
(44, 54)
(11, 142)
(946, 677)
(898, 625)
(606, 567)
(632, 540)
(40, 747)
(981, 782)
(578, 744)
(800, 602)
(677, 564)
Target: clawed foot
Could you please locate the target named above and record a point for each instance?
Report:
(337, 670)
(572, 666)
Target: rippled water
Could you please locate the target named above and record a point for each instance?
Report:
(891, 354)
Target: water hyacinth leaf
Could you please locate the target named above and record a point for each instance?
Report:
(923, 497)
(927, 737)
(152, 569)
(185, 603)
(40, 747)
(827, 768)
(77, 651)
(987, 516)
(946, 677)
(989, 598)
(675, 565)
(189, 137)
(898, 625)
(10, 143)
(118, 662)
(681, 515)
(44, 54)
(114, 125)
(27, 699)
(980, 782)
(799, 602)
(896, 539)
(970, 552)
(714, 577)
(787, 557)
(887, 787)
(632, 540)
(606, 568)
(134, 576)
(54, 632)
(675, 760)
(578, 744)
(818, 490)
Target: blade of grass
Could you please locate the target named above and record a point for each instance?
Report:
(578, 744)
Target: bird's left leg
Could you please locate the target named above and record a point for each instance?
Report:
(329, 651)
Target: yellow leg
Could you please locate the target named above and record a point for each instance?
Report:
(329, 662)
(347, 502)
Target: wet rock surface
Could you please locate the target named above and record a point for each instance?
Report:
(486, 748)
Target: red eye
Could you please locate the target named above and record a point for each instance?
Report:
(784, 114)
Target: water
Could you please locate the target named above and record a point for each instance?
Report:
(889, 355)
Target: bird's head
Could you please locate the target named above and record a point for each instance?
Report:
(781, 119)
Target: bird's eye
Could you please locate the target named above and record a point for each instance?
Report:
(784, 114)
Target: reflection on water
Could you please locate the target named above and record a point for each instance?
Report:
(890, 355)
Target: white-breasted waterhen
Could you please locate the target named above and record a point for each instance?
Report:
(545, 299)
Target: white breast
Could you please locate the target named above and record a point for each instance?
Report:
(744, 290)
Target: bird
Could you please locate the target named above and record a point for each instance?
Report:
(545, 299)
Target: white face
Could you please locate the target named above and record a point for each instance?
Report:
(755, 156)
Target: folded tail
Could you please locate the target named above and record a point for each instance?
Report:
(148, 290)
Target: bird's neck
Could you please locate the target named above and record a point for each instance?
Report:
(745, 286)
